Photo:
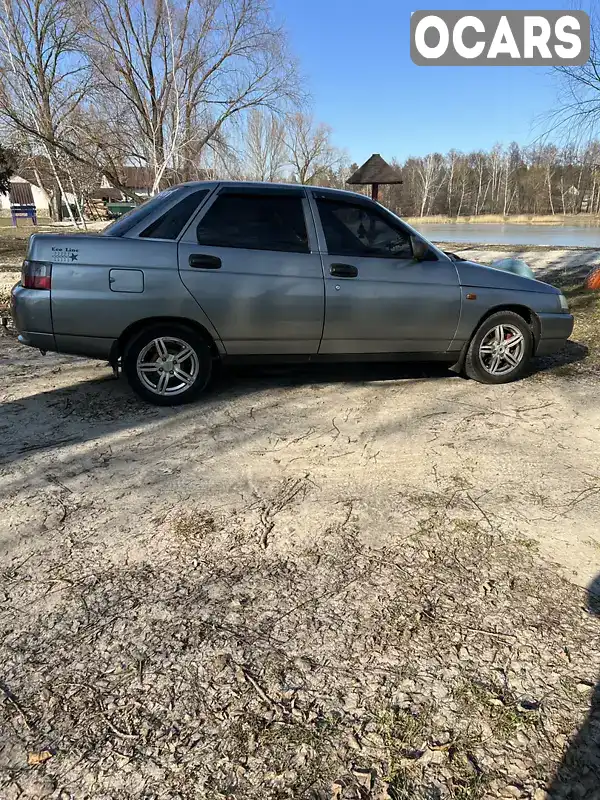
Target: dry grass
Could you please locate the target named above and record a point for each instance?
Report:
(13, 241)
(588, 220)
(212, 669)
(585, 307)
(13, 246)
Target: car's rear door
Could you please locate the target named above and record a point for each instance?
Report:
(379, 298)
(251, 260)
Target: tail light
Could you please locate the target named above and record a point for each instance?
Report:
(36, 275)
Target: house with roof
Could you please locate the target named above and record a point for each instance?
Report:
(32, 186)
(139, 179)
(23, 192)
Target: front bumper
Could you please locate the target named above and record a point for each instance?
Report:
(555, 329)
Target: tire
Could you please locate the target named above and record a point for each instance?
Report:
(175, 380)
(490, 355)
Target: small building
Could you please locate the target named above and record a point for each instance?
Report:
(36, 172)
(23, 190)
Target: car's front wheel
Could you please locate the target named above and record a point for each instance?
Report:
(167, 364)
(500, 349)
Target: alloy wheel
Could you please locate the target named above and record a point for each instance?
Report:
(167, 366)
(502, 349)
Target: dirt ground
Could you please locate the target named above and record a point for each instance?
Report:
(320, 583)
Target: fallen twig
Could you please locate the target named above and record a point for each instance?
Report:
(15, 703)
(481, 511)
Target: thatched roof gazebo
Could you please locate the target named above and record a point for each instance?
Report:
(375, 171)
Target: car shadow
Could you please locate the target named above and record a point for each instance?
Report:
(572, 353)
(98, 408)
(240, 378)
(578, 775)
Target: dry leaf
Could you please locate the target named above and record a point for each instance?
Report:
(38, 758)
(363, 777)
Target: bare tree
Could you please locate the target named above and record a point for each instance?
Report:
(577, 113)
(182, 69)
(265, 146)
(430, 173)
(45, 76)
(155, 82)
(310, 151)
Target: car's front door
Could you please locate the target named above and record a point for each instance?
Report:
(378, 297)
(251, 261)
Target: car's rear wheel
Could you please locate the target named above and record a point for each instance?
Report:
(500, 349)
(167, 364)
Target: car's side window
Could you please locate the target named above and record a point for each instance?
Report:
(255, 222)
(170, 224)
(353, 229)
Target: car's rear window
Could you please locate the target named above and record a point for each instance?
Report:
(170, 224)
(125, 223)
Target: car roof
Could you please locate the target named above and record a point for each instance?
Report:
(274, 185)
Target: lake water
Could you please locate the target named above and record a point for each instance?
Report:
(497, 233)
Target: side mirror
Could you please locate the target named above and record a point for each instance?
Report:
(421, 251)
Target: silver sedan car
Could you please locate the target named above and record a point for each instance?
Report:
(224, 271)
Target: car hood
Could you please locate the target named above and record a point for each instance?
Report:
(473, 274)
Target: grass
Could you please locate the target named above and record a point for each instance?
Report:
(192, 527)
(22, 225)
(13, 241)
(404, 734)
(502, 709)
(585, 307)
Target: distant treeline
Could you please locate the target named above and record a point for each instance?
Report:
(536, 180)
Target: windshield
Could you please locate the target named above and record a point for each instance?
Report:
(125, 223)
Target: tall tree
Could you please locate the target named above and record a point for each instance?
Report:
(45, 76)
(266, 154)
(181, 70)
(154, 83)
(576, 115)
(430, 173)
(310, 150)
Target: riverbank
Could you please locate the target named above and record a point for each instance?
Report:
(585, 220)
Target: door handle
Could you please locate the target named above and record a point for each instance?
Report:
(343, 270)
(201, 261)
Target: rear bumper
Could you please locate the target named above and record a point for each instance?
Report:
(43, 341)
(555, 330)
(30, 310)
(88, 346)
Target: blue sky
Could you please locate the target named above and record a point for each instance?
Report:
(377, 100)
